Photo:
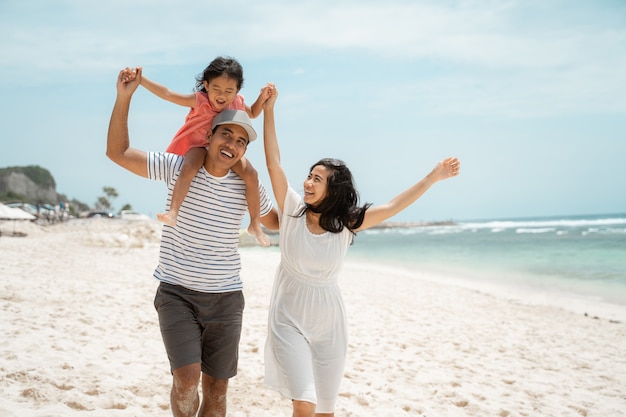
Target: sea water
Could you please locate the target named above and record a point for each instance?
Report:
(553, 257)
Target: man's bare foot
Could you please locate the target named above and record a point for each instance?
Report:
(261, 237)
(168, 218)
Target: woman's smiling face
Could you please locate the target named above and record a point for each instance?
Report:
(316, 185)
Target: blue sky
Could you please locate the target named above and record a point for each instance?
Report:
(530, 95)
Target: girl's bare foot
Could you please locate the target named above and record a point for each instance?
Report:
(256, 231)
(168, 218)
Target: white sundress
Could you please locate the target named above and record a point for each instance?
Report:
(307, 337)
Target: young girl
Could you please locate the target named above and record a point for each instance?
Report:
(217, 89)
(307, 337)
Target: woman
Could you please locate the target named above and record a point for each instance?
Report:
(307, 331)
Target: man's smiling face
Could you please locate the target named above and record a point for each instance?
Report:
(226, 147)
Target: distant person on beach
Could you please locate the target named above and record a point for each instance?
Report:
(217, 88)
(307, 337)
(199, 300)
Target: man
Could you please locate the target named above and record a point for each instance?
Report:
(199, 300)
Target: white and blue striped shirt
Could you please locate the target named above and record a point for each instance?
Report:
(200, 253)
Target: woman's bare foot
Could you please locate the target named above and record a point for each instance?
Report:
(168, 218)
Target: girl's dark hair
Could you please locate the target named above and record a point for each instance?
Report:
(340, 208)
(220, 66)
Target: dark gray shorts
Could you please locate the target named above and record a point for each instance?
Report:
(200, 327)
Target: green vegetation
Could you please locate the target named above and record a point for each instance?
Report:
(9, 196)
(104, 201)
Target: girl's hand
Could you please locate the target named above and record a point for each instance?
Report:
(129, 74)
(128, 80)
(267, 92)
(272, 98)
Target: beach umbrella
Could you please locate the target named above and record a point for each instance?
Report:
(14, 214)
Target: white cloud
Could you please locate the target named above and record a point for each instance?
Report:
(515, 58)
(493, 36)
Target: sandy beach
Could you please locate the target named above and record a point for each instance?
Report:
(81, 338)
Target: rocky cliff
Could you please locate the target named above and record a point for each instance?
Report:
(30, 184)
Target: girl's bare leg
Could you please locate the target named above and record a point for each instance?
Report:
(249, 175)
(194, 159)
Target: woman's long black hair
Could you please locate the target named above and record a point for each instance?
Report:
(341, 207)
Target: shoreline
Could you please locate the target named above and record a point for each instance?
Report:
(515, 291)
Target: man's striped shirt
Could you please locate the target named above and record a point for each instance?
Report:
(200, 252)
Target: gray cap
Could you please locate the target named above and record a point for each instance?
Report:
(235, 117)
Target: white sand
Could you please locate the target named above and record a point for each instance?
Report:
(80, 338)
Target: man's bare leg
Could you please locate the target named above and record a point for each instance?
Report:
(184, 398)
(213, 397)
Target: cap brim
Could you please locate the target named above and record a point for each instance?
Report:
(236, 117)
(249, 130)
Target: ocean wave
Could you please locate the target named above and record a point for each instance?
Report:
(545, 223)
(445, 231)
(560, 226)
(606, 231)
(536, 230)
